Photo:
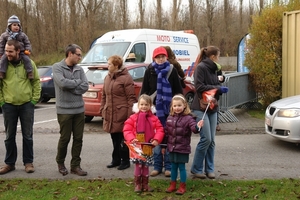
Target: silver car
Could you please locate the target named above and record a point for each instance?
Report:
(282, 119)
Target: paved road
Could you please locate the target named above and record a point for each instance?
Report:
(250, 156)
(243, 151)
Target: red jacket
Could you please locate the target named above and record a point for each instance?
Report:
(129, 129)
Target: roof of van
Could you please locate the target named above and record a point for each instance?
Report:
(132, 34)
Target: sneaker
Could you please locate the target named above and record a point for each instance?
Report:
(29, 168)
(154, 173)
(199, 175)
(211, 175)
(167, 173)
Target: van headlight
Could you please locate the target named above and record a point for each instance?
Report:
(289, 113)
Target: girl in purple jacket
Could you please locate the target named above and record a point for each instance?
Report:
(179, 127)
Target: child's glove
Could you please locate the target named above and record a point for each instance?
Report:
(1, 104)
(223, 89)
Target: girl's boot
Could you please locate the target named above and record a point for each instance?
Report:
(145, 186)
(137, 184)
(172, 187)
(181, 190)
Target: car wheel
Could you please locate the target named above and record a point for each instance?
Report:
(189, 98)
(88, 118)
(45, 99)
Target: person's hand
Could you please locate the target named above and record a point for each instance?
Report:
(154, 143)
(221, 78)
(1, 104)
(200, 123)
(163, 151)
(224, 89)
(134, 141)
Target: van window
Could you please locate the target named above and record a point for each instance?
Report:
(100, 53)
(139, 50)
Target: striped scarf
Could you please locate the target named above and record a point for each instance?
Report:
(164, 91)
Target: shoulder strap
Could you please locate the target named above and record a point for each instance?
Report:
(169, 72)
(168, 75)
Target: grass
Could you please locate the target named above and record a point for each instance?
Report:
(123, 189)
(257, 113)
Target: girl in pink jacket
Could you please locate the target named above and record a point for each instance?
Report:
(143, 127)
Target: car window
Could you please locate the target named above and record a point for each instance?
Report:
(96, 76)
(44, 71)
(137, 74)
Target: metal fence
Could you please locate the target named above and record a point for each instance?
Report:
(239, 95)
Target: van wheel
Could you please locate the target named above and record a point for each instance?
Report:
(189, 98)
(88, 118)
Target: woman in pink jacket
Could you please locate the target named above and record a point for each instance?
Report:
(143, 127)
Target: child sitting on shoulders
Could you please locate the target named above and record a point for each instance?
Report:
(14, 32)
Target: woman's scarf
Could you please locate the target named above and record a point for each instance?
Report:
(164, 91)
(144, 125)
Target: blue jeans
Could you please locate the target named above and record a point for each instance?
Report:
(11, 114)
(161, 160)
(205, 150)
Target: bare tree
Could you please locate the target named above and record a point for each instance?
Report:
(210, 12)
(251, 11)
(159, 14)
(124, 13)
(241, 13)
(261, 5)
(192, 10)
(142, 12)
(175, 11)
(91, 8)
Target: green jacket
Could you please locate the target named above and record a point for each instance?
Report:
(16, 88)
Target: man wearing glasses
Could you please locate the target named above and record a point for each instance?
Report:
(70, 83)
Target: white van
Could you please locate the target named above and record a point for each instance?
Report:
(142, 42)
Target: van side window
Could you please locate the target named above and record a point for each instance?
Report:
(139, 49)
(138, 74)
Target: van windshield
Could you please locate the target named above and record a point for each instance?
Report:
(99, 53)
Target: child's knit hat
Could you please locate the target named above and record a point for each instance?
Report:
(13, 19)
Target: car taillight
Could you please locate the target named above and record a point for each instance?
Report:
(45, 79)
(92, 95)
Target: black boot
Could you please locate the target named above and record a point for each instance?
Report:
(124, 165)
(124, 152)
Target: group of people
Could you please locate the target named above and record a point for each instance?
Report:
(160, 120)
(20, 90)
